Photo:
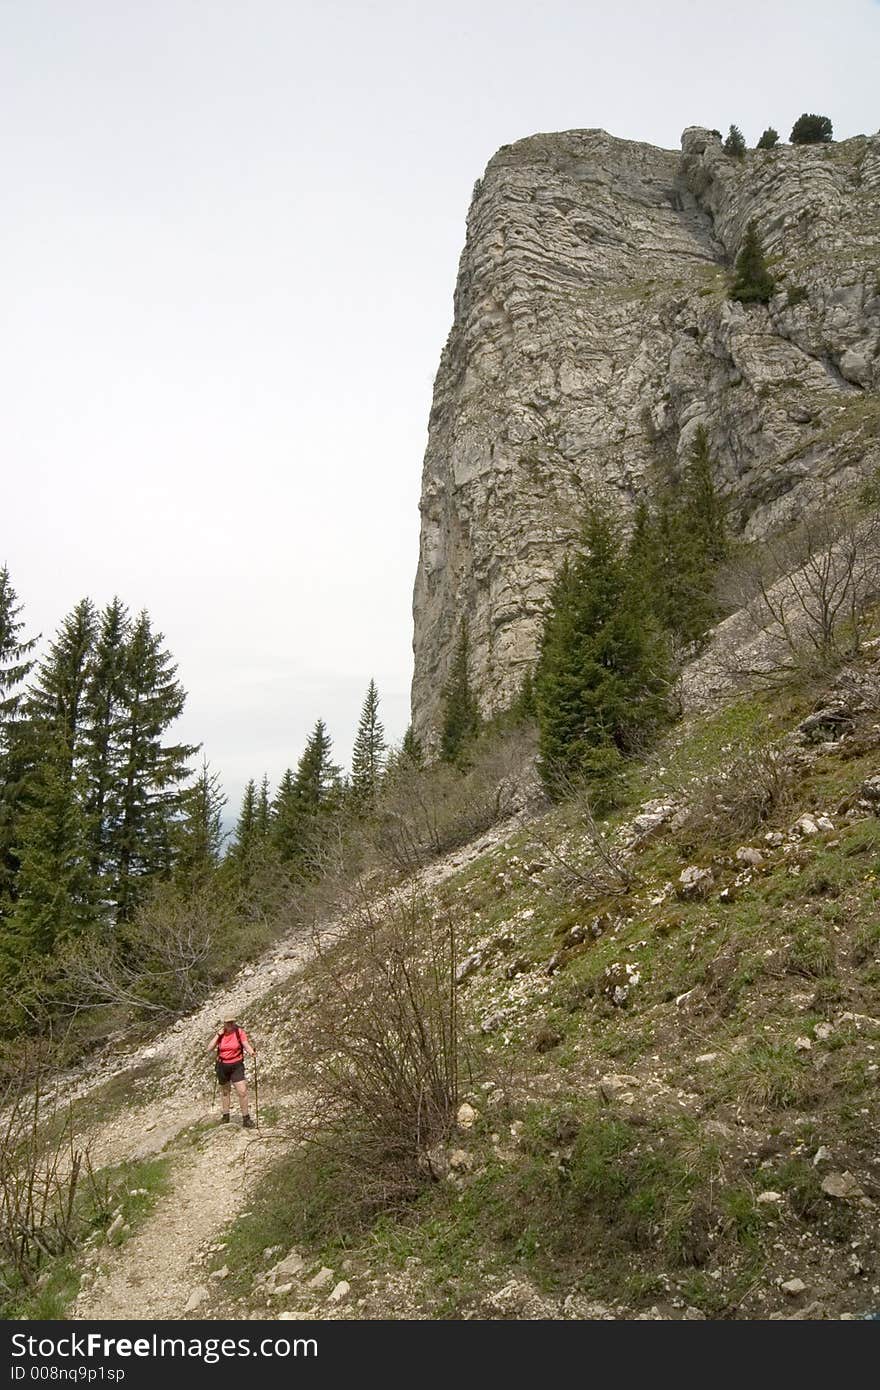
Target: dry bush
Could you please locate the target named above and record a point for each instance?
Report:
(740, 798)
(809, 590)
(589, 859)
(42, 1169)
(424, 812)
(381, 1047)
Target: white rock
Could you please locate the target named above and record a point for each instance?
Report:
(824, 823)
(842, 1185)
(222, 1273)
(794, 1287)
(342, 1290)
(746, 854)
(115, 1226)
(280, 1289)
(765, 1199)
(822, 1155)
(806, 826)
(706, 1057)
(466, 1116)
(823, 1031)
(321, 1279)
(196, 1298)
(803, 1045)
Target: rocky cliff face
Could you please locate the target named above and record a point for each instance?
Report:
(592, 334)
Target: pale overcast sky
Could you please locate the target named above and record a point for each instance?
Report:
(228, 250)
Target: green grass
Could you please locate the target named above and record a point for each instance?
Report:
(131, 1188)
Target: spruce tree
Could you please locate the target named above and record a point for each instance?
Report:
(461, 713)
(769, 140)
(262, 812)
(53, 890)
(16, 664)
(199, 834)
(286, 822)
(735, 143)
(753, 283)
(368, 755)
(602, 675)
(104, 703)
(148, 786)
(305, 802)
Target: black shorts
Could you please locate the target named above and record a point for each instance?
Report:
(230, 1071)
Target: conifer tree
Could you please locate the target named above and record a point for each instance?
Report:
(411, 748)
(53, 890)
(150, 772)
(769, 140)
(461, 714)
(602, 675)
(675, 550)
(15, 659)
(753, 283)
(16, 664)
(262, 813)
(104, 702)
(306, 800)
(735, 143)
(199, 835)
(286, 821)
(368, 756)
(810, 129)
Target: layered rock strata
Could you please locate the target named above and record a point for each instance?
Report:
(593, 333)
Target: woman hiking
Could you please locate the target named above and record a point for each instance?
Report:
(230, 1043)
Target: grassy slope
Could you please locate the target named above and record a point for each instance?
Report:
(620, 1154)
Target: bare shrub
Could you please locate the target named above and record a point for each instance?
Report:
(740, 798)
(161, 964)
(590, 859)
(42, 1169)
(381, 1047)
(808, 592)
(423, 813)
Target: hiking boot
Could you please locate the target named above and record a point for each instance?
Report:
(247, 1122)
(224, 1119)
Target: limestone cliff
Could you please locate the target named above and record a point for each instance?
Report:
(592, 333)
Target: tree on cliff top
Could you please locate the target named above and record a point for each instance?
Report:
(810, 129)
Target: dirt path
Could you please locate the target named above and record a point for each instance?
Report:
(157, 1272)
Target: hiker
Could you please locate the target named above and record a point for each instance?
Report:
(230, 1043)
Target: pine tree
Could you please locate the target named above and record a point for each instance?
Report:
(104, 703)
(735, 143)
(148, 793)
(769, 140)
(705, 512)
(199, 835)
(675, 550)
(16, 664)
(753, 283)
(461, 714)
(286, 821)
(602, 675)
(262, 813)
(15, 659)
(368, 756)
(810, 129)
(53, 890)
(305, 802)
(524, 706)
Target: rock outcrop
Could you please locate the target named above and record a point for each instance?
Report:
(593, 333)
